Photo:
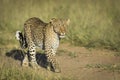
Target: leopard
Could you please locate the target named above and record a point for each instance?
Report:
(45, 36)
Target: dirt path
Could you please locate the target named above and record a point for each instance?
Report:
(79, 63)
(89, 64)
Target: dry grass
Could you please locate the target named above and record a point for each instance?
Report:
(12, 70)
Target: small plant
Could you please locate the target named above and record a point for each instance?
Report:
(117, 54)
(61, 52)
(72, 54)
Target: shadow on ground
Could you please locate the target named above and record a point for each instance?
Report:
(19, 55)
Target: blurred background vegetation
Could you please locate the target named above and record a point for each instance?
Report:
(94, 23)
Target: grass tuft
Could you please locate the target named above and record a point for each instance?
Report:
(110, 67)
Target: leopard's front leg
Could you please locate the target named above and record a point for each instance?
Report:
(52, 61)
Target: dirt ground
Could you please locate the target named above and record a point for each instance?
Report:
(79, 63)
(89, 64)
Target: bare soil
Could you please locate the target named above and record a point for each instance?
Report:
(89, 64)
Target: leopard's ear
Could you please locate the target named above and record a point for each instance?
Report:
(52, 20)
(68, 21)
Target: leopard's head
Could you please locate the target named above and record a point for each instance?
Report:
(59, 26)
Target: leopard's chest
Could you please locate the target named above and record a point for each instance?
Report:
(55, 43)
(52, 40)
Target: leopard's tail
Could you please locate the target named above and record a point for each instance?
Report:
(22, 40)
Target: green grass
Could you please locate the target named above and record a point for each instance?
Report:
(93, 23)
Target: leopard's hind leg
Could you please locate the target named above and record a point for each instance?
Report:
(31, 47)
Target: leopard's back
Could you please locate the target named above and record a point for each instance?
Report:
(34, 29)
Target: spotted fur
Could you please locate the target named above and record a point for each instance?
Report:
(44, 35)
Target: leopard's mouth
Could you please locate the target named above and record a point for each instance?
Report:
(62, 36)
